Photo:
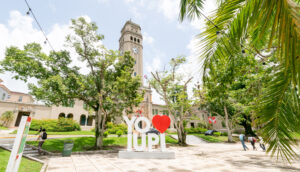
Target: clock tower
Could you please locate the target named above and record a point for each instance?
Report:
(131, 40)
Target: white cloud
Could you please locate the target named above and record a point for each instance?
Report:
(169, 8)
(147, 38)
(154, 65)
(208, 8)
(19, 30)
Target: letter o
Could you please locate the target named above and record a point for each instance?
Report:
(142, 130)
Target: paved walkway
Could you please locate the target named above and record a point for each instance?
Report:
(204, 157)
(191, 139)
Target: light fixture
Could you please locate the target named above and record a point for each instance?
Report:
(218, 33)
(28, 12)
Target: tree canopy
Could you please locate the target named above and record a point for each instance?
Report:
(109, 88)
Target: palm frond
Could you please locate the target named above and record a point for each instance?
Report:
(190, 9)
(280, 18)
(279, 115)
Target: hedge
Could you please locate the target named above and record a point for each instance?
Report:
(197, 130)
(56, 125)
(112, 128)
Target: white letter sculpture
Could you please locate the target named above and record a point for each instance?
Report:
(161, 123)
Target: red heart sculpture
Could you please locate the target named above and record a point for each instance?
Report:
(161, 123)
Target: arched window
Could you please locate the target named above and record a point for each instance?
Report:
(70, 116)
(134, 39)
(90, 120)
(131, 38)
(82, 120)
(61, 115)
(138, 40)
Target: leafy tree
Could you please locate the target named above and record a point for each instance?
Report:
(171, 87)
(109, 88)
(260, 27)
(6, 118)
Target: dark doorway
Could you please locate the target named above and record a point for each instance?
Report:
(141, 124)
(20, 114)
(192, 125)
(82, 120)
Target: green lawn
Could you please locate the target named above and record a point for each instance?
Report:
(214, 139)
(86, 143)
(63, 133)
(3, 128)
(25, 166)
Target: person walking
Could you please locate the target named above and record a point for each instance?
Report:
(41, 138)
(261, 144)
(242, 139)
(252, 140)
(39, 131)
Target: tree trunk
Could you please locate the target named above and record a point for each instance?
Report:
(247, 125)
(99, 129)
(181, 134)
(227, 125)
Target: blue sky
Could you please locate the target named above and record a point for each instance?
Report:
(164, 36)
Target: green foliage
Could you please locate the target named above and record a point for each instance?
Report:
(224, 134)
(6, 118)
(60, 125)
(269, 31)
(217, 134)
(170, 85)
(105, 134)
(119, 133)
(108, 89)
(113, 128)
(195, 130)
(109, 125)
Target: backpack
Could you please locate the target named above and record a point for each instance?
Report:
(44, 136)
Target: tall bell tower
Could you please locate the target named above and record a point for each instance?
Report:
(131, 40)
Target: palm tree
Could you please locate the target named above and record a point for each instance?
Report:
(257, 27)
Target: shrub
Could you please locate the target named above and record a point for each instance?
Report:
(109, 125)
(224, 134)
(105, 134)
(6, 118)
(60, 125)
(217, 133)
(195, 130)
(113, 128)
(201, 124)
(119, 133)
(93, 130)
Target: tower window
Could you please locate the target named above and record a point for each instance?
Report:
(134, 39)
(134, 73)
(131, 38)
(135, 62)
(138, 40)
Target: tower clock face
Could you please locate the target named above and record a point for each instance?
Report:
(135, 50)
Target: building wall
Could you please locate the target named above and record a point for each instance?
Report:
(34, 110)
(20, 97)
(3, 94)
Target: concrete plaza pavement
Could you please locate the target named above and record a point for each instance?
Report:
(211, 157)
